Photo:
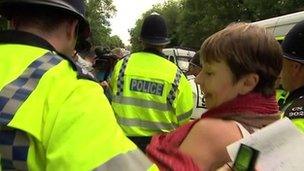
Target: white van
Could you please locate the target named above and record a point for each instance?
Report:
(280, 26)
(181, 57)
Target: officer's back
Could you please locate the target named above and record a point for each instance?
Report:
(149, 93)
(293, 74)
(51, 117)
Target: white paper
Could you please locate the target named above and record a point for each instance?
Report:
(281, 147)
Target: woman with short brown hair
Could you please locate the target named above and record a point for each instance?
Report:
(241, 65)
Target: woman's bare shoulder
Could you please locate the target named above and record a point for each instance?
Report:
(206, 142)
(217, 129)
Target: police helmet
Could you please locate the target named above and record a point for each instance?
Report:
(293, 43)
(154, 30)
(74, 7)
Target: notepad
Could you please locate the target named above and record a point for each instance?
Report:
(281, 147)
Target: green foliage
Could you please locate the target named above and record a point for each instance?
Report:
(170, 11)
(135, 34)
(98, 13)
(115, 41)
(190, 22)
(201, 18)
(262, 9)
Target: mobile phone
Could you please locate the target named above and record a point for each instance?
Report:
(246, 158)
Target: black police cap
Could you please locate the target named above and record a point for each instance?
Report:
(74, 7)
(154, 30)
(293, 43)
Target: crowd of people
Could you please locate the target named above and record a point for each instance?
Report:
(70, 106)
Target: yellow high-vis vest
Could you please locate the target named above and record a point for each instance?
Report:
(149, 95)
(50, 119)
(294, 110)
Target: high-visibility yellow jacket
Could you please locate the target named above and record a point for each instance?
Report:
(293, 107)
(52, 120)
(280, 96)
(149, 95)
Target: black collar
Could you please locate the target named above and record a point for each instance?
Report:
(295, 94)
(21, 37)
(156, 52)
(25, 38)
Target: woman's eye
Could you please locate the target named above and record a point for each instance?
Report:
(208, 73)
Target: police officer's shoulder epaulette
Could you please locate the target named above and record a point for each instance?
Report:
(296, 109)
(82, 73)
(126, 56)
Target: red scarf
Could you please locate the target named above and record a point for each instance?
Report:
(249, 103)
(163, 149)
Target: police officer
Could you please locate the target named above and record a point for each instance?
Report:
(149, 93)
(293, 74)
(195, 67)
(52, 118)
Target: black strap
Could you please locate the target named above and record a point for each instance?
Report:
(141, 142)
(156, 52)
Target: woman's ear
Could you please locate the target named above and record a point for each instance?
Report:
(248, 83)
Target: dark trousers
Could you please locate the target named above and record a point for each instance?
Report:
(141, 142)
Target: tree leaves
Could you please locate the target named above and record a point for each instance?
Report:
(98, 13)
(190, 22)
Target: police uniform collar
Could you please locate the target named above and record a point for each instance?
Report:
(82, 73)
(295, 94)
(156, 52)
(21, 37)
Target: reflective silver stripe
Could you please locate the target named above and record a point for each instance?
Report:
(14, 144)
(172, 94)
(153, 126)
(141, 103)
(120, 79)
(184, 116)
(131, 161)
(15, 93)
(14, 147)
